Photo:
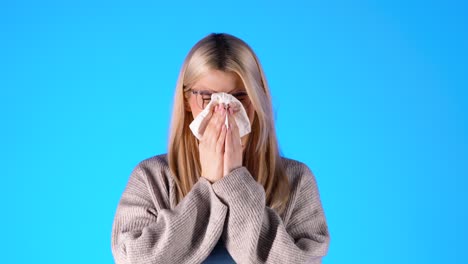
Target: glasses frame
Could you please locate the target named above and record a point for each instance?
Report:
(207, 93)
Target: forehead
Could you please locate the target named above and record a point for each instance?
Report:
(219, 81)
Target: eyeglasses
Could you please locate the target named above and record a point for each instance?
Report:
(203, 98)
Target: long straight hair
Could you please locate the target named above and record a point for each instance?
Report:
(261, 157)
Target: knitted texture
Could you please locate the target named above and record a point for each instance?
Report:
(150, 228)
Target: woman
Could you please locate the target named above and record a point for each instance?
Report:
(222, 197)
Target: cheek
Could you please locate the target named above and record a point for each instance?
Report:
(194, 107)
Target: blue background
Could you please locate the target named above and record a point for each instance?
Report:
(370, 94)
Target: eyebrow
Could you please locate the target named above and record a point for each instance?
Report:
(233, 91)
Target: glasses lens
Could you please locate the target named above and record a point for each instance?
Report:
(243, 97)
(203, 98)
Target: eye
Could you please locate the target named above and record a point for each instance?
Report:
(205, 95)
(241, 96)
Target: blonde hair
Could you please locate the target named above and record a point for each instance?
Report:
(261, 157)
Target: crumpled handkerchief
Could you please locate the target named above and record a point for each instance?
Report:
(241, 118)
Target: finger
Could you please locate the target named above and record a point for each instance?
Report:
(222, 119)
(222, 137)
(210, 126)
(214, 127)
(235, 137)
(235, 108)
(220, 122)
(228, 140)
(207, 119)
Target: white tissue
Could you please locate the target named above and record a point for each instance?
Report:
(241, 118)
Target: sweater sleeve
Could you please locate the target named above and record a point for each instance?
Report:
(255, 233)
(144, 232)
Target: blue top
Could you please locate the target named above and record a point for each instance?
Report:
(219, 255)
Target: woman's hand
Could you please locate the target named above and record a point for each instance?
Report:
(212, 146)
(233, 146)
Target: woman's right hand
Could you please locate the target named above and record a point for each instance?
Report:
(211, 144)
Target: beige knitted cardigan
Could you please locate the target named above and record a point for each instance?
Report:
(150, 228)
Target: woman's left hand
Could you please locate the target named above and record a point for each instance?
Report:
(232, 146)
